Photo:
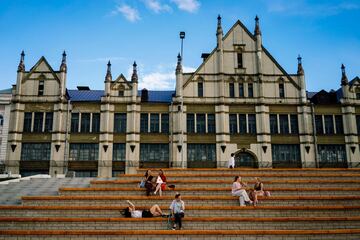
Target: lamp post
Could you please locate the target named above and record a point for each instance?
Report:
(182, 36)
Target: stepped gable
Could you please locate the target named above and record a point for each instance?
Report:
(302, 206)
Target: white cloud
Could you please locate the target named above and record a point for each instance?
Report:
(156, 6)
(158, 81)
(188, 69)
(130, 13)
(187, 5)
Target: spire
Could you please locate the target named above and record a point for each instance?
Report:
(134, 76)
(179, 66)
(21, 67)
(300, 70)
(219, 28)
(344, 80)
(108, 76)
(63, 67)
(257, 26)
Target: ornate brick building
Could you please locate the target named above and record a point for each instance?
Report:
(239, 100)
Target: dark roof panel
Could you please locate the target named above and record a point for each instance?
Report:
(85, 96)
(95, 96)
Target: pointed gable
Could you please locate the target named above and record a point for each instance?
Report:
(239, 38)
(41, 68)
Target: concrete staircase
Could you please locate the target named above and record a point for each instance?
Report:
(305, 204)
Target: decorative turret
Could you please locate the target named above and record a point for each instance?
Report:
(300, 70)
(21, 67)
(344, 80)
(257, 26)
(179, 77)
(108, 79)
(134, 81)
(63, 71)
(63, 66)
(301, 80)
(134, 76)
(219, 32)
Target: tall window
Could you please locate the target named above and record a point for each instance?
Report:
(200, 89)
(119, 152)
(319, 124)
(329, 124)
(233, 123)
(201, 152)
(294, 124)
(200, 123)
(286, 155)
(95, 123)
(154, 122)
(339, 124)
(120, 122)
(250, 90)
(1, 120)
(281, 90)
(121, 93)
(358, 95)
(41, 88)
(211, 123)
(27, 122)
(154, 152)
(273, 124)
(252, 123)
(231, 90)
(35, 151)
(84, 152)
(48, 122)
(332, 155)
(165, 123)
(85, 122)
(284, 124)
(144, 121)
(190, 122)
(241, 90)
(242, 124)
(358, 124)
(38, 121)
(74, 122)
(239, 60)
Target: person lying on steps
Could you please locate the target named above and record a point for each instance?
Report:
(131, 212)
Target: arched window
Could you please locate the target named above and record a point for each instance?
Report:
(1, 120)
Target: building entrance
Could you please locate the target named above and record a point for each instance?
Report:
(246, 159)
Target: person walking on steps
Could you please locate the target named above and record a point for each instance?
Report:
(231, 163)
(177, 208)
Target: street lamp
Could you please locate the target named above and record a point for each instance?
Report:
(182, 36)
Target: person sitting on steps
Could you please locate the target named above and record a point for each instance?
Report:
(239, 190)
(131, 212)
(177, 208)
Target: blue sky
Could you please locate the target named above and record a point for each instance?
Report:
(325, 33)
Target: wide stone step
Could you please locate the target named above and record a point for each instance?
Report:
(196, 191)
(265, 176)
(183, 234)
(194, 211)
(226, 183)
(252, 170)
(190, 223)
(190, 200)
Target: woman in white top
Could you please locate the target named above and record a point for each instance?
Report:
(177, 208)
(130, 211)
(159, 182)
(239, 189)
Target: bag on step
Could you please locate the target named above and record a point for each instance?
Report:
(142, 184)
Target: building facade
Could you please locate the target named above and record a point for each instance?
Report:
(5, 98)
(239, 100)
